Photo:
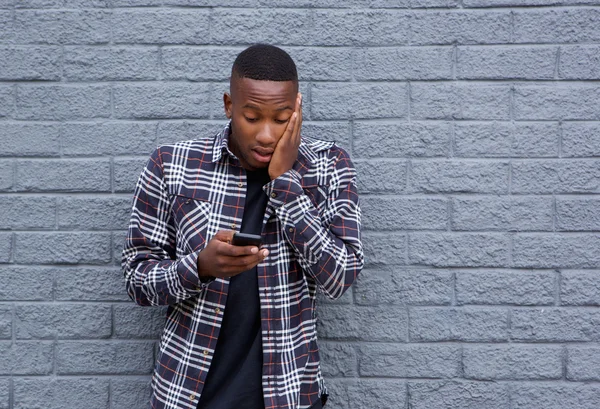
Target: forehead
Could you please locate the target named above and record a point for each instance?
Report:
(265, 92)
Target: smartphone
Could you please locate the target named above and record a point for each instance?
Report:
(245, 239)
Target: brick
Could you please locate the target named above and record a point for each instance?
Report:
(366, 393)
(103, 358)
(557, 25)
(108, 138)
(118, 240)
(459, 176)
(346, 299)
(6, 174)
(505, 213)
(5, 247)
(579, 288)
(360, 28)
(495, 3)
(65, 175)
(580, 139)
(93, 212)
(401, 139)
(133, 321)
(485, 63)
(141, 101)
(512, 362)
(555, 396)
(460, 27)
(27, 139)
(361, 100)
(583, 363)
(198, 64)
(30, 63)
(338, 360)
(6, 316)
(7, 26)
(338, 132)
(67, 248)
(577, 214)
(262, 25)
(7, 101)
(459, 101)
(39, 4)
(60, 393)
(404, 287)
(63, 102)
(505, 287)
(62, 27)
(126, 172)
(458, 249)
(323, 64)
(216, 3)
(40, 212)
(425, 3)
(580, 62)
(458, 324)
(161, 26)
(26, 283)
(175, 131)
(555, 325)
(5, 387)
(134, 3)
(349, 323)
(90, 284)
(410, 63)
(381, 176)
(554, 102)
(64, 321)
(128, 392)
(501, 139)
(410, 361)
(458, 394)
(383, 213)
(562, 176)
(26, 358)
(106, 64)
(556, 250)
(384, 249)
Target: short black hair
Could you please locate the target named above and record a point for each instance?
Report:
(264, 62)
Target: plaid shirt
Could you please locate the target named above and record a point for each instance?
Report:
(190, 190)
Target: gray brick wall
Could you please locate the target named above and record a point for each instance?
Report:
(475, 128)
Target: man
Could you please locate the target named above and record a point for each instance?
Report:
(240, 330)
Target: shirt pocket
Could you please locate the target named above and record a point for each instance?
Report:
(191, 216)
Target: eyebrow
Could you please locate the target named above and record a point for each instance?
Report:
(252, 106)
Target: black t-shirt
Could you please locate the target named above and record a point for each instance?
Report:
(235, 377)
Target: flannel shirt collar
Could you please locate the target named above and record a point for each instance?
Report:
(307, 152)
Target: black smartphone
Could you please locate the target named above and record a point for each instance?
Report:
(245, 239)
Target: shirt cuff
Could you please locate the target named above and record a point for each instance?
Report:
(188, 273)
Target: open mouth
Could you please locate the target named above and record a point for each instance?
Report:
(262, 155)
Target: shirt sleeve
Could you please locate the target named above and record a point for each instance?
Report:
(327, 240)
(153, 275)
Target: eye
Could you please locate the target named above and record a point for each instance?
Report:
(281, 121)
(251, 119)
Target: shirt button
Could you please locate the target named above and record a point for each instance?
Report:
(193, 396)
(205, 352)
(233, 226)
(273, 194)
(240, 184)
(217, 310)
(291, 229)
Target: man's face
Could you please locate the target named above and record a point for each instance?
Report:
(259, 113)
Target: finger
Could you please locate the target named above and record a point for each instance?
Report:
(298, 124)
(229, 250)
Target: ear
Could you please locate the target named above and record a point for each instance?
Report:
(227, 104)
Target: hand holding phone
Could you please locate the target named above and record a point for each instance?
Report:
(228, 254)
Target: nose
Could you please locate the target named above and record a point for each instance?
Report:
(267, 135)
